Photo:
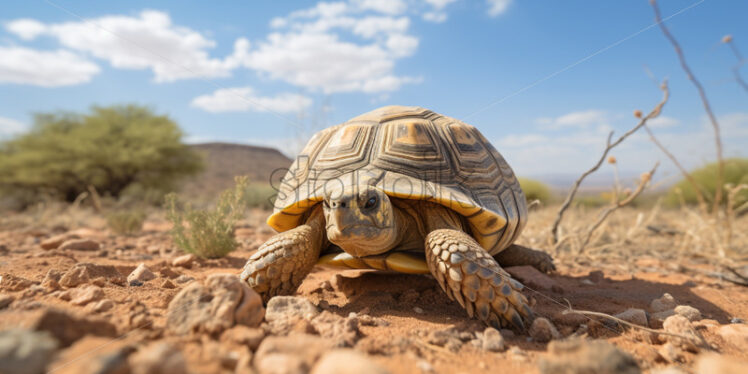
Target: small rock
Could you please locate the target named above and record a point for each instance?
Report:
(51, 280)
(80, 245)
(425, 366)
(184, 261)
(167, 284)
(578, 356)
(710, 363)
(635, 316)
(656, 319)
(184, 279)
(12, 283)
(82, 273)
(671, 352)
(735, 334)
(250, 337)
(221, 303)
(290, 307)
(665, 302)
(168, 272)
(25, 352)
(678, 324)
(531, 277)
(668, 370)
(6, 300)
(290, 354)
(102, 306)
(492, 340)
(418, 310)
(157, 358)
(141, 274)
(346, 361)
(542, 330)
(342, 331)
(85, 295)
(691, 313)
(55, 241)
(67, 329)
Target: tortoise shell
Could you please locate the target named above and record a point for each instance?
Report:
(409, 153)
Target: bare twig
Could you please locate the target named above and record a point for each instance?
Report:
(616, 204)
(736, 69)
(704, 101)
(572, 193)
(697, 189)
(699, 341)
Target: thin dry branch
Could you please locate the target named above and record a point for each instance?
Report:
(698, 341)
(704, 101)
(699, 193)
(736, 69)
(646, 177)
(608, 146)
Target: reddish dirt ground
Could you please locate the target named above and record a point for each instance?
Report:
(412, 306)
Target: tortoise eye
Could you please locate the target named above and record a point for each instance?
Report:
(371, 202)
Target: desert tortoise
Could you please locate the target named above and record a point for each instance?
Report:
(409, 190)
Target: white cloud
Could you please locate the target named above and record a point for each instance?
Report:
(147, 41)
(391, 7)
(580, 119)
(25, 28)
(497, 7)
(44, 68)
(244, 99)
(437, 13)
(662, 122)
(436, 17)
(337, 47)
(9, 127)
(575, 150)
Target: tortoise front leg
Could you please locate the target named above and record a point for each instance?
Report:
(517, 255)
(468, 274)
(281, 263)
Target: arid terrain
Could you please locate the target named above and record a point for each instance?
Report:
(64, 273)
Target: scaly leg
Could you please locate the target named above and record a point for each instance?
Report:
(468, 274)
(281, 263)
(517, 255)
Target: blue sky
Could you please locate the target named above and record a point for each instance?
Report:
(272, 73)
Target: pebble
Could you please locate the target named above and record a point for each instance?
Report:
(635, 316)
(160, 357)
(691, 313)
(184, 279)
(492, 340)
(222, 302)
(25, 351)
(342, 331)
(82, 273)
(80, 245)
(542, 330)
(84, 295)
(55, 241)
(418, 310)
(347, 361)
(250, 337)
(678, 324)
(671, 352)
(735, 334)
(66, 328)
(578, 356)
(12, 283)
(140, 274)
(710, 363)
(102, 306)
(290, 354)
(665, 302)
(290, 307)
(167, 284)
(6, 300)
(184, 261)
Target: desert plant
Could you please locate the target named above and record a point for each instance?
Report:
(208, 233)
(110, 149)
(126, 221)
(260, 196)
(735, 172)
(535, 190)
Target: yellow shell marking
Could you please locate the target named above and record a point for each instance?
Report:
(395, 261)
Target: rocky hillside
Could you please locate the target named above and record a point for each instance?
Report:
(224, 161)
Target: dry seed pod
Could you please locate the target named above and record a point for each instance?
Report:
(727, 38)
(612, 160)
(638, 113)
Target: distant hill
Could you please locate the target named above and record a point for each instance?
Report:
(224, 161)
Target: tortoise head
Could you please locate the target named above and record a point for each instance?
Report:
(360, 220)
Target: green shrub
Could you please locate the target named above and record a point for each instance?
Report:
(126, 222)
(736, 172)
(535, 190)
(208, 233)
(260, 196)
(110, 149)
